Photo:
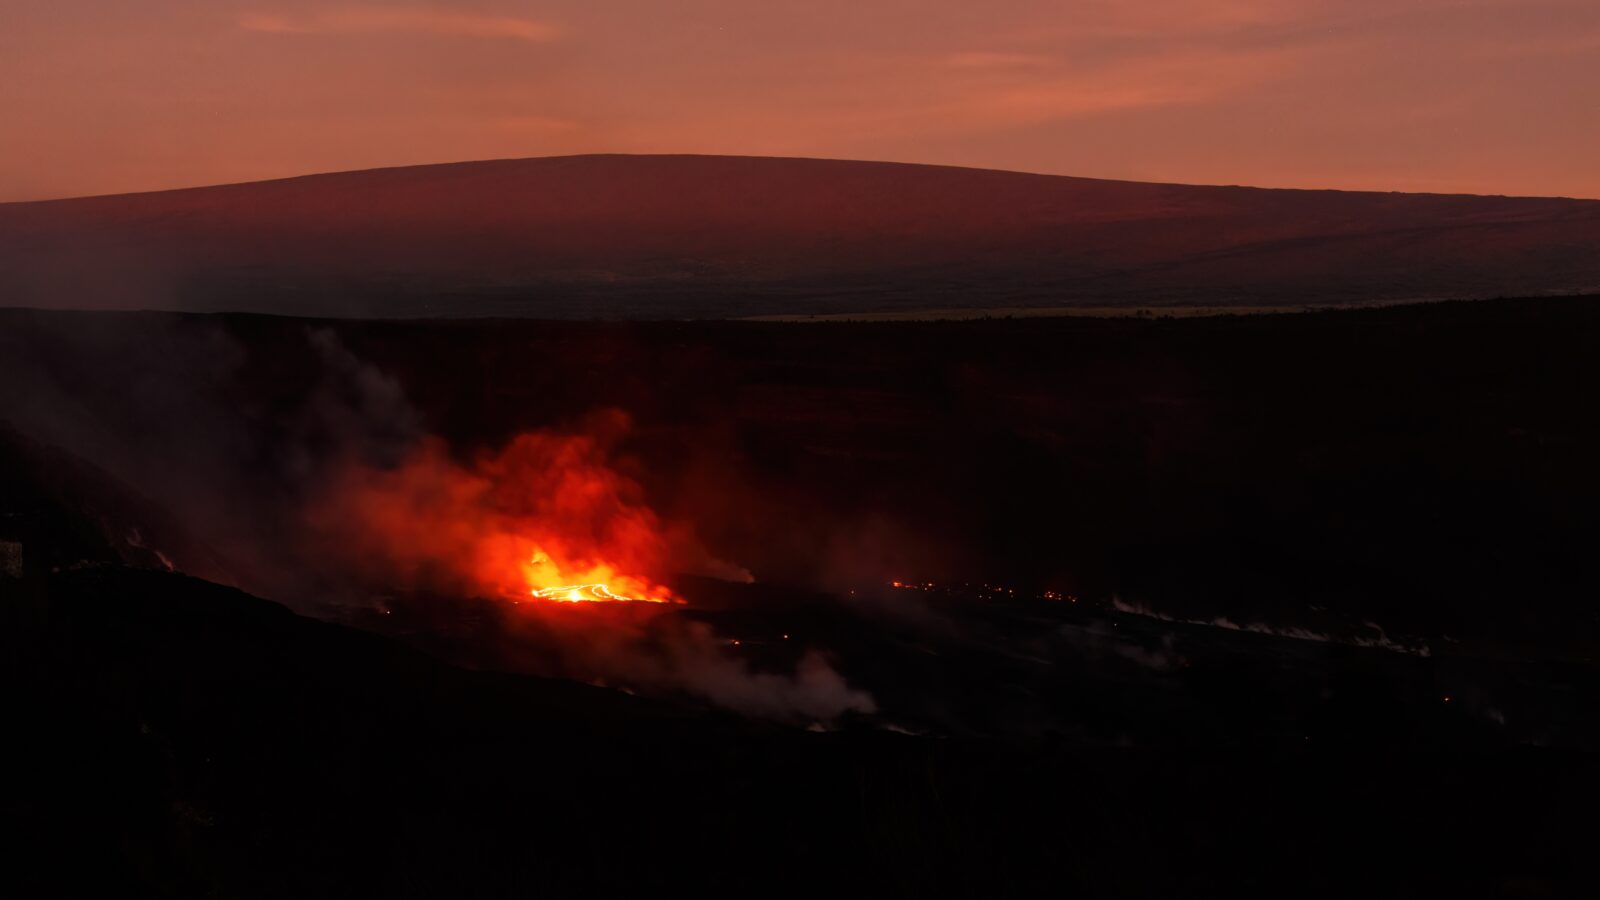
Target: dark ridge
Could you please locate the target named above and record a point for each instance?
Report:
(715, 237)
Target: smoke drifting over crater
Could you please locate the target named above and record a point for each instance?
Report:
(543, 512)
(328, 492)
(574, 556)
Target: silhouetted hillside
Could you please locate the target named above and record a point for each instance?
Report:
(702, 236)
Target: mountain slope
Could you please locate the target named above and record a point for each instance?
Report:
(668, 236)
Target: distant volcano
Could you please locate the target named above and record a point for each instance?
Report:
(709, 236)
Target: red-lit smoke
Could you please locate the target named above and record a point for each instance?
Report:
(550, 527)
(543, 518)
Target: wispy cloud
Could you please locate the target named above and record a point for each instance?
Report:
(982, 91)
(982, 59)
(368, 20)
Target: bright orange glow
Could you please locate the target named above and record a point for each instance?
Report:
(545, 580)
(545, 518)
(586, 593)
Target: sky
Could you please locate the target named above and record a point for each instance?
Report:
(1478, 96)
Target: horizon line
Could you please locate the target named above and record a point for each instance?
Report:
(731, 156)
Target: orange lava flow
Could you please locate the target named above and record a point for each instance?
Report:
(587, 593)
(546, 582)
(544, 519)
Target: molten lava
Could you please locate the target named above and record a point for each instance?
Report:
(553, 525)
(545, 577)
(586, 593)
(546, 517)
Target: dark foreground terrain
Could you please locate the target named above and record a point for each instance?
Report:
(174, 738)
(1290, 604)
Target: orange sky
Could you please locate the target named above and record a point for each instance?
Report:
(1484, 96)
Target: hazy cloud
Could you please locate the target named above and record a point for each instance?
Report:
(981, 59)
(368, 20)
(1481, 96)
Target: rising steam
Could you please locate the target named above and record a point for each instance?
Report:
(545, 513)
(544, 524)
(334, 491)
